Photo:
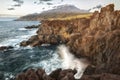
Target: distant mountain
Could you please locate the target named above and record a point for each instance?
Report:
(57, 12)
(66, 9)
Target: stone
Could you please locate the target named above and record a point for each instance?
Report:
(2, 48)
(32, 27)
(96, 38)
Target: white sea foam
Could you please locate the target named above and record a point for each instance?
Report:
(22, 29)
(17, 39)
(71, 62)
(45, 45)
(8, 76)
(50, 64)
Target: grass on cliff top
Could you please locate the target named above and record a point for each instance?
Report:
(86, 15)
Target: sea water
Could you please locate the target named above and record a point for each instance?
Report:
(19, 58)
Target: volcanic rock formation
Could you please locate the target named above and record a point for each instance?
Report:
(97, 38)
(60, 74)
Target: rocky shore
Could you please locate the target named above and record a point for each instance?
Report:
(96, 38)
(60, 74)
(32, 27)
(3, 48)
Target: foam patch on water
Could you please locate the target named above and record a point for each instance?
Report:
(50, 64)
(9, 76)
(17, 39)
(45, 45)
(22, 29)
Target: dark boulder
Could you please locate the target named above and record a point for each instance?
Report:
(2, 48)
(55, 74)
(33, 41)
(32, 27)
(2, 76)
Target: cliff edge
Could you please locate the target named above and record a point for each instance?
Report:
(97, 38)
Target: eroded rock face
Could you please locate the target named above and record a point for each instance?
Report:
(97, 38)
(101, 42)
(59, 31)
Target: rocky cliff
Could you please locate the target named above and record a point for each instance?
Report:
(97, 38)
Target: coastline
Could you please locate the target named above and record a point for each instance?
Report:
(96, 38)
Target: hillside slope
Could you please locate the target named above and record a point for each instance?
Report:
(59, 12)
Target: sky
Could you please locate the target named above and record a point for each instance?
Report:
(24, 7)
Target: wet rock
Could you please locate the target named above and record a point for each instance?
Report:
(21, 76)
(32, 74)
(24, 43)
(1, 76)
(40, 74)
(67, 75)
(55, 74)
(33, 41)
(33, 26)
(59, 74)
(2, 48)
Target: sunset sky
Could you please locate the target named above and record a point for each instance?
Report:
(23, 7)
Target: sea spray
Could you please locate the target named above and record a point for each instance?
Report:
(72, 62)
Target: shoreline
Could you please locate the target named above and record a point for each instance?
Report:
(96, 38)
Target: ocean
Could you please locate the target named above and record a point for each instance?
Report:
(19, 59)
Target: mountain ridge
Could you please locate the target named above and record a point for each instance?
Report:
(66, 9)
(58, 12)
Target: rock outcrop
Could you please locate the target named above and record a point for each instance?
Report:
(33, 41)
(31, 27)
(97, 38)
(3, 48)
(1, 76)
(59, 31)
(60, 74)
(101, 42)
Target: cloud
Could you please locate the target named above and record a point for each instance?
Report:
(19, 1)
(17, 5)
(49, 4)
(62, 0)
(98, 6)
(45, 0)
(42, 2)
(11, 8)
